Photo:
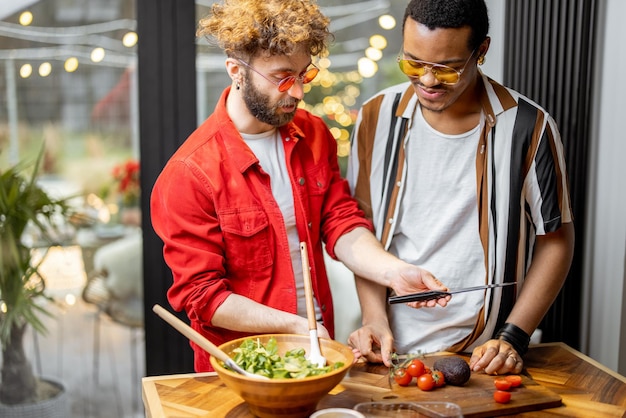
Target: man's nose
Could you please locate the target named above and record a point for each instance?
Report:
(297, 90)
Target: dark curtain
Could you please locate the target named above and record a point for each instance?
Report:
(549, 50)
(167, 103)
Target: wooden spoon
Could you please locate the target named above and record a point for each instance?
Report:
(315, 356)
(199, 339)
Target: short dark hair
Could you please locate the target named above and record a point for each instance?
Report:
(451, 14)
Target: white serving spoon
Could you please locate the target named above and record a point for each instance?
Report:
(199, 339)
(315, 355)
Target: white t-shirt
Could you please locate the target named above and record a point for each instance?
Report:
(438, 230)
(268, 148)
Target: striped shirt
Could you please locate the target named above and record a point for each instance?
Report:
(521, 184)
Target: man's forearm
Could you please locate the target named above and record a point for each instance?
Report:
(551, 262)
(364, 255)
(239, 313)
(372, 298)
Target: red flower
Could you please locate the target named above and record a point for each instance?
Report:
(127, 177)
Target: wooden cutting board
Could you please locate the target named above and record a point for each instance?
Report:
(206, 396)
(475, 397)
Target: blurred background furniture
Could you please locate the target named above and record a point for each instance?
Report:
(115, 286)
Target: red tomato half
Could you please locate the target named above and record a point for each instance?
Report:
(401, 376)
(415, 368)
(426, 382)
(516, 380)
(502, 383)
(502, 396)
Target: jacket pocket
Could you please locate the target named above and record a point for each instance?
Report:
(246, 239)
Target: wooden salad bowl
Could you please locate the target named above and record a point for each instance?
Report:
(285, 397)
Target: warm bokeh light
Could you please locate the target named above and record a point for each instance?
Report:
(378, 42)
(26, 70)
(343, 148)
(45, 69)
(373, 54)
(354, 77)
(97, 54)
(130, 39)
(26, 18)
(387, 22)
(323, 63)
(71, 64)
(70, 299)
(367, 67)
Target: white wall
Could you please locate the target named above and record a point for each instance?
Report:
(494, 59)
(605, 248)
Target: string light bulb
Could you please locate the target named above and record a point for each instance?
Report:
(378, 42)
(71, 64)
(45, 69)
(373, 53)
(130, 39)
(97, 55)
(26, 70)
(367, 68)
(26, 18)
(387, 22)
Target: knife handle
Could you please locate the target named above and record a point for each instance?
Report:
(418, 297)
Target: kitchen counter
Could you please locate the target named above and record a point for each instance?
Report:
(558, 381)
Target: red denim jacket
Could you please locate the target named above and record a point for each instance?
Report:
(223, 231)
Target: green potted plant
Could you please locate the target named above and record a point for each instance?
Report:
(23, 203)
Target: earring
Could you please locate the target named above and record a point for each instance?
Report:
(237, 85)
(481, 60)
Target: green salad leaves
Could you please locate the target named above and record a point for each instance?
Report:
(255, 357)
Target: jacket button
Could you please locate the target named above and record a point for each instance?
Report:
(301, 181)
(319, 184)
(310, 225)
(323, 308)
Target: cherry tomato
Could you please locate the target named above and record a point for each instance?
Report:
(401, 376)
(438, 378)
(502, 383)
(516, 380)
(415, 368)
(502, 396)
(426, 382)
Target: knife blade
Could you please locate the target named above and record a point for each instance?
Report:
(436, 294)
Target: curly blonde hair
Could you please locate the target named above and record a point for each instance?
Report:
(242, 28)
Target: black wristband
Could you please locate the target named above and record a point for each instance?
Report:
(515, 336)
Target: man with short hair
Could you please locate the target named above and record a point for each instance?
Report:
(466, 179)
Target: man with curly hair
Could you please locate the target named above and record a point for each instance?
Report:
(466, 179)
(258, 177)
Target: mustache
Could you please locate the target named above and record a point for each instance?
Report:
(436, 89)
(287, 103)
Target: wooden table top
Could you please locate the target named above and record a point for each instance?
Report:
(558, 381)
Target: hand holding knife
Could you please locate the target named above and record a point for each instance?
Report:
(436, 294)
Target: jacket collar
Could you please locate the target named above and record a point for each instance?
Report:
(237, 149)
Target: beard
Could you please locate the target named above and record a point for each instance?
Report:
(259, 105)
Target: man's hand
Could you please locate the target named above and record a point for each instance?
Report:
(413, 279)
(496, 357)
(373, 342)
